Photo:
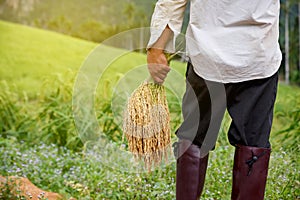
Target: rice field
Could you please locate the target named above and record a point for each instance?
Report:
(39, 138)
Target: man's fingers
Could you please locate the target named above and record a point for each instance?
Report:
(159, 73)
(157, 65)
(159, 68)
(161, 76)
(158, 80)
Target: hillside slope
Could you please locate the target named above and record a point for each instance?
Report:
(28, 55)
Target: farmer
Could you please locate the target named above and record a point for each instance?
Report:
(233, 43)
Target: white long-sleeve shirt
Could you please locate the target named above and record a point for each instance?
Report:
(227, 40)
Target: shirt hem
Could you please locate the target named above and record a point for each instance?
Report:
(228, 79)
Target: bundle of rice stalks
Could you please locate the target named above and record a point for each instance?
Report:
(147, 124)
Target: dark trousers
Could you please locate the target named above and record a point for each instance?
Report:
(250, 105)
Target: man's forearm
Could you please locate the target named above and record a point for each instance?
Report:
(166, 35)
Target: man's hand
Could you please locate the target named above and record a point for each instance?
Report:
(157, 65)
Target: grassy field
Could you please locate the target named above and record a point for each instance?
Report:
(38, 138)
(35, 54)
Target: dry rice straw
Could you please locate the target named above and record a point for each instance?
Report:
(147, 124)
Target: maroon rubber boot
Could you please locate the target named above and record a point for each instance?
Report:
(250, 171)
(190, 172)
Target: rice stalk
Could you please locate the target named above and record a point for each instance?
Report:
(147, 124)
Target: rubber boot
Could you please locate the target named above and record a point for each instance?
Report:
(190, 172)
(250, 170)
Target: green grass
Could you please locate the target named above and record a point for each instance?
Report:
(29, 55)
(38, 138)
(73, 174)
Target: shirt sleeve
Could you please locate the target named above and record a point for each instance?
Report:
(167, 12)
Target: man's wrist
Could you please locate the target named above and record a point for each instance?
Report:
(155, 50)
